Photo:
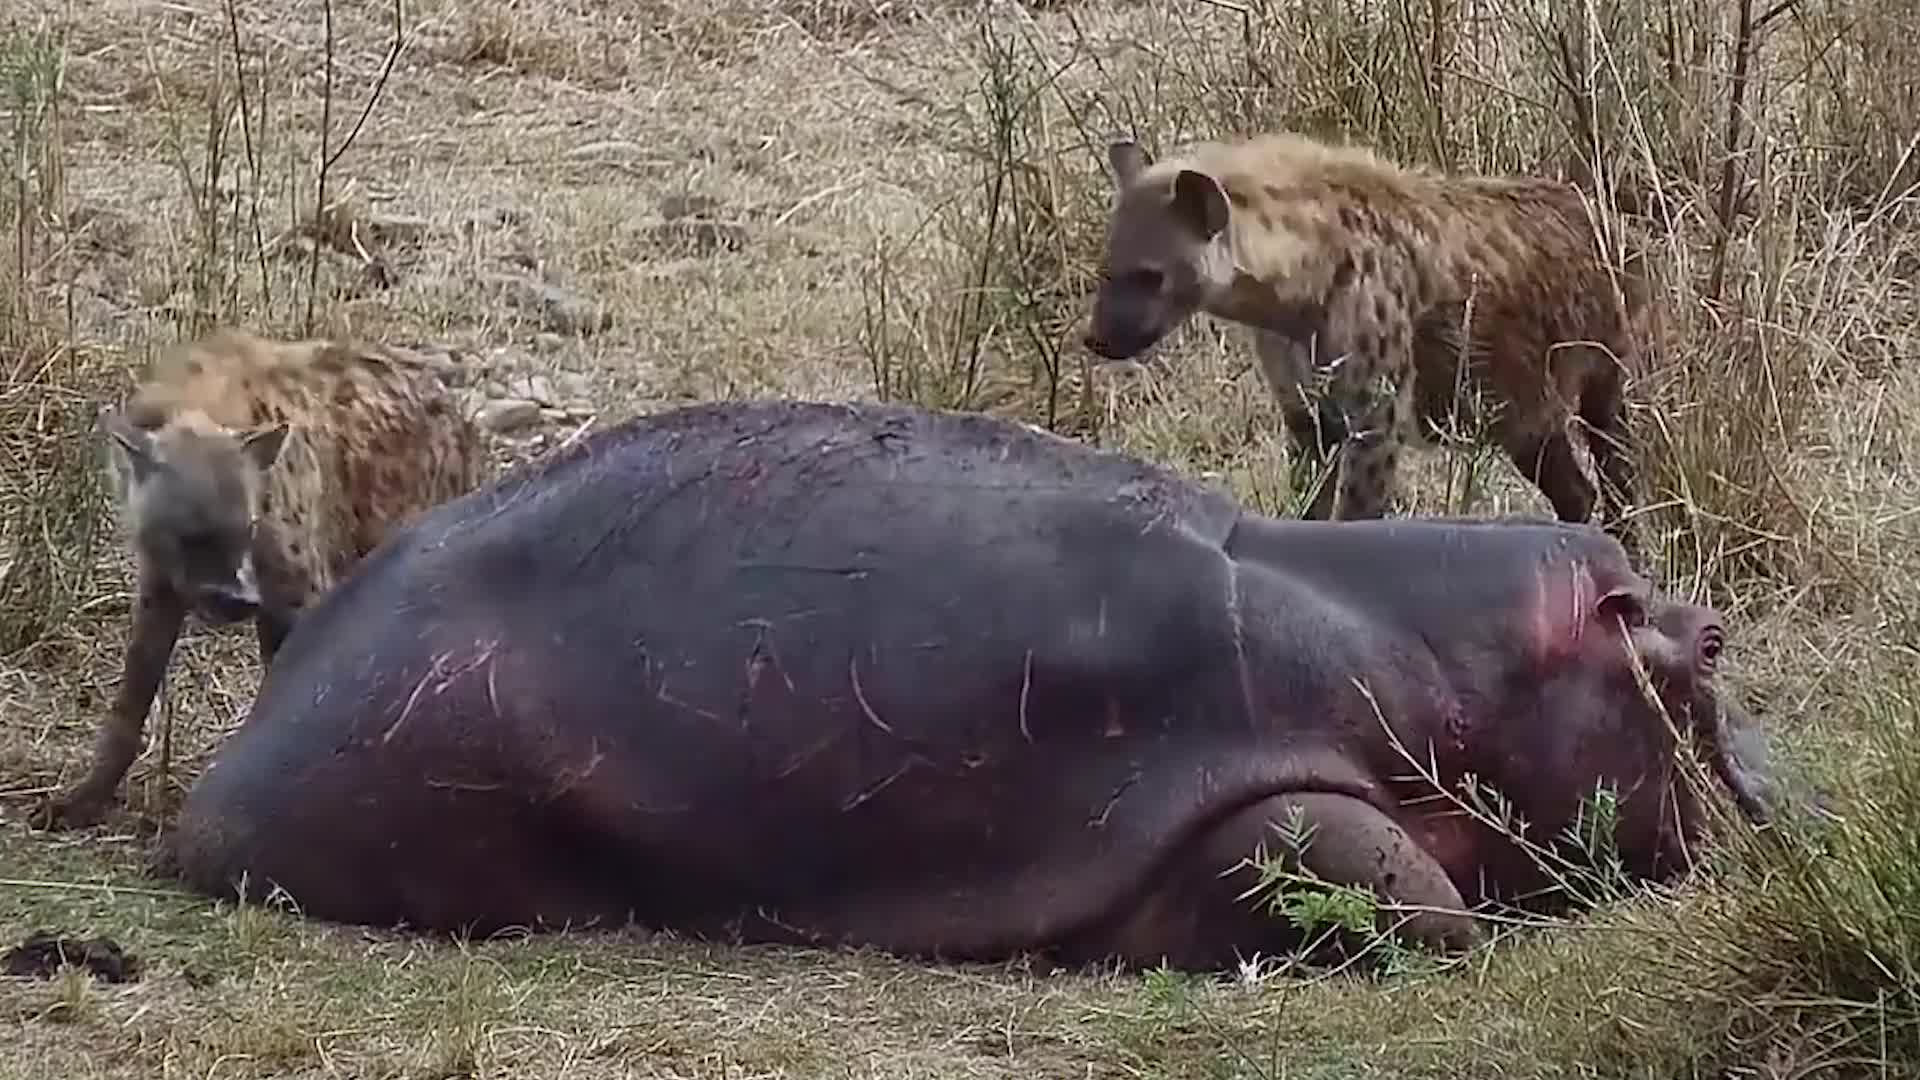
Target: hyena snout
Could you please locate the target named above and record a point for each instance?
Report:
(1136, 308)
(229, 599)
(1114, 339)
(227, 603)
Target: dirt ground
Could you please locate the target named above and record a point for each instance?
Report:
(601, 209)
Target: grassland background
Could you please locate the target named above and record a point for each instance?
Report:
(858, 199)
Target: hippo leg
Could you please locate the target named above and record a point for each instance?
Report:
(1197, 918)
(1354, 844)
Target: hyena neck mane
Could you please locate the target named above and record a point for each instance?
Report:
(1306, 219)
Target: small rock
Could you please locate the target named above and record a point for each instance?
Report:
(505, 358)
(698, 236)
(508, 414)
(444, 362)
(696, 224)
(568, 312)
(689, 204)
(563, 310)
(492, 219)
(394, 229)
(534, 388)
(573, 385)
(548, 341)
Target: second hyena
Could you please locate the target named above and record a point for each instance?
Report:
(252, 475)
(1375, 280)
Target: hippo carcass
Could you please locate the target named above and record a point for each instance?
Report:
(943, 685)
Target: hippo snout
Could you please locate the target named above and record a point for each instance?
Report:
(1740, 757)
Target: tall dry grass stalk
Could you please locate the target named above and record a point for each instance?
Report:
(1000, 333)
(50, 484)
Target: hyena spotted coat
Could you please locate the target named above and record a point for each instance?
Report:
(1372, 281)
(251, 476)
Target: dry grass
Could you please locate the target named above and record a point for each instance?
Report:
(858, 198)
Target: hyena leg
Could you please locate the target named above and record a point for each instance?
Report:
(1368, 345)
(1548, 460)
(1313, 429)
(157, 617)
(283, 589)
(1603, 411)
(1374, 392)
(1369, 458)
(279, 610)
(271, 627)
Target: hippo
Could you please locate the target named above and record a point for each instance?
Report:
(947, 686)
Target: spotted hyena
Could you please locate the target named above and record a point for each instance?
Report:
(1372, 281)
(251, 476)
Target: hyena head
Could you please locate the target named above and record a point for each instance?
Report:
(1167, 253)
(191, 492)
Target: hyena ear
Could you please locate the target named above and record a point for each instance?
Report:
(1128, 159)
(262, 445)
(1199, 200)
(129, 442)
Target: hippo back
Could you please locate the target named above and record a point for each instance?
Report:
(748, 654)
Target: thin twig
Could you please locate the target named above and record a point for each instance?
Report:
(90, 886)
(379, 84)
(1749, 30)
(320, 185)
(1774, 12)
(330, 157)
(253, 155)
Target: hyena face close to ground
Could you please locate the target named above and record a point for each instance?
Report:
(1376, 281)
(251, 476)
